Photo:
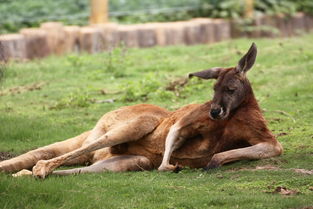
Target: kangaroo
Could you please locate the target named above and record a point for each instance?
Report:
(145, 137)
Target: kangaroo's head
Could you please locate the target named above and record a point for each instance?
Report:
(232, 87)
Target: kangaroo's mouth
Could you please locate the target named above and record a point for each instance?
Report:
(219, 114)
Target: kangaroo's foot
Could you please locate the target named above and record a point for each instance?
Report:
(23, 172)
(43, 168)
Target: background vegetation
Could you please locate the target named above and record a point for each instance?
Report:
(16, 14)
(2, 64)
(55, 98)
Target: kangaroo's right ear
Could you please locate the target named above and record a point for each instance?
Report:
(247, 61)
(207, 74)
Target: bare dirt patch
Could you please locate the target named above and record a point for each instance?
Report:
(285, 191)
(6, 155)
(22, 89)
(174, 85)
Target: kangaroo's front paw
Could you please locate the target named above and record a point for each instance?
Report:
(175, 168)
(42, 169)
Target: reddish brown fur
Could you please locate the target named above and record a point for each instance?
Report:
(142, 130)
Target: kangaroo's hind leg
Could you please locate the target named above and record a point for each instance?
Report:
(29, 159)
(130, 130)
(114, 164)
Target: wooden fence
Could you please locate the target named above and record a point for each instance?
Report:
(55, 38)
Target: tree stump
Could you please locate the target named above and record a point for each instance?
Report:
(128, 36)
(13, 47)
(90, 40)
(36, 43)
(170, 34)
(192, 32)
(206, 30)
(298, 23)
(71, 43)
(56, 36)
(147, 36)
(109, 35)
(269, 27)
(159, 33)
(256, 28)
(308, 21)
(283, 25)
(221, 29)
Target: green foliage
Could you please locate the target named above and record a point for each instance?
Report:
(235, 8)
(303, 5)
(193, 85)
(30, 13)
(272, 7)
(75, 60)
(149, 87)
(116, 62)
(75, 99)
(223, 8)
(15, 15)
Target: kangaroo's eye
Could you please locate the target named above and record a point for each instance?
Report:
(230, 90)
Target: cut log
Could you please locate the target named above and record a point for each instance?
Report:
(170, 34)
(298, 23)
(256, 28)
(71, 43)
(128, 36)
(56, 37)
(281, 25)
(160, 34)
(192, 32)
(308, 21)
(90, 40)
(13, 46)
(206, 30)
(109, 35)
(147, 35)
(269, 27)
(36, 43)
(221, 29)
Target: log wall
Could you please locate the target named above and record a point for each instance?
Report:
(55, 38)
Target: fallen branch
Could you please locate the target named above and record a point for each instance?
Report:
(274, 168)
(104, 101)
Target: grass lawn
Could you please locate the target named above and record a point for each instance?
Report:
(48, 100)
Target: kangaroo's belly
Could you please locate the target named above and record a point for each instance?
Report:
(196, 152)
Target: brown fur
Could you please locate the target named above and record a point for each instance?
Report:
(140, 134)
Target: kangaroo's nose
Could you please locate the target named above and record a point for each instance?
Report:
(215, 112)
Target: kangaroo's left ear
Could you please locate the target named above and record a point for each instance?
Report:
(247, 61)
(207, 74)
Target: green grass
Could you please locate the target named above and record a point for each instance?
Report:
(65, 106)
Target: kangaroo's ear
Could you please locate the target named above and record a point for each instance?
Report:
(247, 61)
(207, 74)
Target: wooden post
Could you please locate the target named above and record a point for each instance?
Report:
(99, 11)
(249, 7)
